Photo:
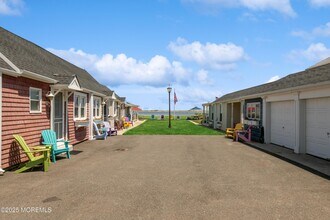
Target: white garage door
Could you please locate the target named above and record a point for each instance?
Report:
(282, 126)
(318, 127)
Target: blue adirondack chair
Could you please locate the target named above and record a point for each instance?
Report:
(97, 134)
(49, 138)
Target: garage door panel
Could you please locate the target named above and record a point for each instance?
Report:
(318, 127)
(283, 123)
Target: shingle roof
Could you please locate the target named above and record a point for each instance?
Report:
(321, 63)
(106, 91)
(29, 56)
(5, 65)
(310, 76)
(122, 99)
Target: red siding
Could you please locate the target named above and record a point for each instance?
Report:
(17, 119)
(80, 134)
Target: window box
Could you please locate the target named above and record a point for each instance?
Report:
(79, 124)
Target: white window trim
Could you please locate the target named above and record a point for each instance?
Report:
(97, 111)
(253, 104)
(40, 100)
(80, 95)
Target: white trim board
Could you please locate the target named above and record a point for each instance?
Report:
(9, 62)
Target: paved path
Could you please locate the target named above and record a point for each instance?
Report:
(136, 123)
(168, 177)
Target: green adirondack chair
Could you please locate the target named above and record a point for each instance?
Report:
(49, 137)
(33, 160)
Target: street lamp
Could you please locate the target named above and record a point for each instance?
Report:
(169, 89)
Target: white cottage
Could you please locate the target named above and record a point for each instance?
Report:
(293, 112)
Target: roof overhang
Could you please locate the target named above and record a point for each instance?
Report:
(265, 94)
(93, 92)
(10, 72)
(38, 77)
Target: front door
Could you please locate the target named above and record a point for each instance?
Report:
(58, 116)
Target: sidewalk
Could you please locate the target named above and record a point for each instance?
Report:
(313, 164)
(136, 123)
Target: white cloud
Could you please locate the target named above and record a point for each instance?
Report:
(320, 31)
(120, 69)
(77, 57)
(282, 6)
(273, 79)
(215, 56)
(11, 7)
(188, 97)
(194, 95)
(323, 30)
(302, 34)
(319, 3)
(315, 52)
(203, 78)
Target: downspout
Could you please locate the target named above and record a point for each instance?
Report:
(91, 100)
(67, 96)
(1, 170)
(52, 108)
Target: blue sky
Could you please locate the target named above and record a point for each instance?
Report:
(204, 48)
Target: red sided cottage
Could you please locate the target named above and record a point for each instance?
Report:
(39, 91)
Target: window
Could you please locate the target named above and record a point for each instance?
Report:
(253, 110)
(80, 106)
(97, 107)
(35, 100)
(76, 106)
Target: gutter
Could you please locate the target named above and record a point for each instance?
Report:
(95, 93)
(294, 89)
(35, 76)
(9, 72)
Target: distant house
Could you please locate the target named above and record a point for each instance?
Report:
(195, 109)
(39, 90)
(293, 112)
(208, 114)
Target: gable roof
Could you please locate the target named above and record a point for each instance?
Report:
(136, 109)
(310, 76)
(321, 63)
(31, 57)
(122, 99)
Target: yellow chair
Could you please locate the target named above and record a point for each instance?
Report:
(231, 132)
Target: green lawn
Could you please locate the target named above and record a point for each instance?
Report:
(179, 127)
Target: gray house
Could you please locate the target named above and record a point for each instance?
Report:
(293, 112)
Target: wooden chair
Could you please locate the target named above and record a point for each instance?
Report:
(119, 124)
(49, 138)
(230, 132)
(127, 122)
(33, 160)
(244, 135)
(111, 131)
